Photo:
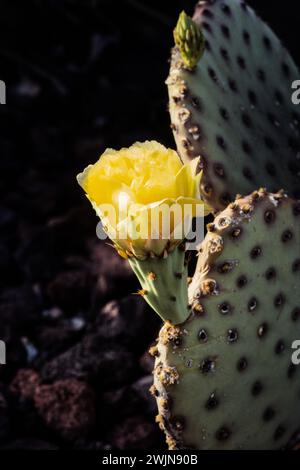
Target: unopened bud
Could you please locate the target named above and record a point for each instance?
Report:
(189, 40)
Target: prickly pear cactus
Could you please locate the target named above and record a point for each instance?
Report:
(234, 107)
(224, 378)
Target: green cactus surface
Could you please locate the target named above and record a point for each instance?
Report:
(224, 379)
(234, 109)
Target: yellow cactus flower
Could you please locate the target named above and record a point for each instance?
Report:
(132, 187)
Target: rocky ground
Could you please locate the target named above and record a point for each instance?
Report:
(80, 76)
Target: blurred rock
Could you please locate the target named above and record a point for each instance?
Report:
(8, 223)
(147, 362)
(10, 273)
(4, 417)
(53, 340)
(294, 443)
(112, 401)
(25, 418)
(119, 404)
(45, 250)
(67, 407)
(114, 275)
(129, 321)
(28, 444)
(16, 355)
(91, 360)
(87, 444)
(135, 433)
(141, 389)
(31, 350)
(53, 128)
(70, 290)
(18, 309)
(40, 196)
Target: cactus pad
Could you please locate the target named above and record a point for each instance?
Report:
(234, 108)
(224, 379)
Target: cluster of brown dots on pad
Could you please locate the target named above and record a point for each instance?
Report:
(261, 115)
(209, 364)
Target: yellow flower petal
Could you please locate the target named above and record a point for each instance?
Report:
(133, 190)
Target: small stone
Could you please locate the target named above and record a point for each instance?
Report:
(25, 383)
(67, 407)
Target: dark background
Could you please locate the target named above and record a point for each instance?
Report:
(81, 76)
